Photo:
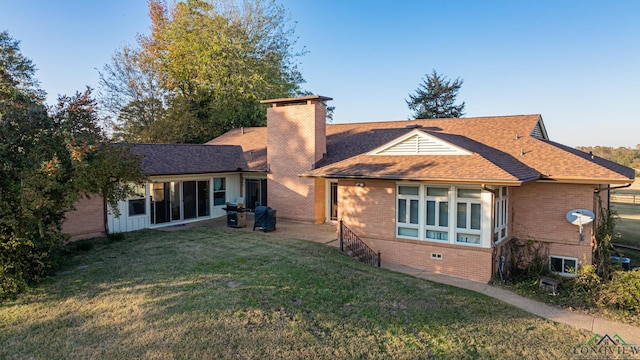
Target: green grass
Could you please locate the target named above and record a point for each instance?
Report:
(628, 226)
(219, 293)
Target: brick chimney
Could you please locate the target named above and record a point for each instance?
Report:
(296, 141)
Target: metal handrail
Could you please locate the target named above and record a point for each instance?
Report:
(357, 247)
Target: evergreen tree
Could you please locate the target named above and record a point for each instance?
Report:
(435, 97)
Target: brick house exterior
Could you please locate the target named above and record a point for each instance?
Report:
(444, 195)
(501, 174)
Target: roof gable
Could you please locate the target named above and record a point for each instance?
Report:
(539, 131)
(417, 142)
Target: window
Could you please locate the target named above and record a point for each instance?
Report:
(468, 216)
(441, 213)
(562, 265)
(219, 191)
(137, 202)
(408, 200)
(437, 210)
(501, 214)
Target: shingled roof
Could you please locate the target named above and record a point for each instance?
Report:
(175, 159)
(503, 150)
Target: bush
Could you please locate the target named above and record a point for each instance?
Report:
(23, 262)
(585, 288)
(623, 291)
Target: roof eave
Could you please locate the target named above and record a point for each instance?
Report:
(504, 182)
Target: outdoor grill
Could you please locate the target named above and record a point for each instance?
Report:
(265, 218)
(235, 215)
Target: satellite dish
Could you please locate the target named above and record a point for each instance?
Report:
(580, 217)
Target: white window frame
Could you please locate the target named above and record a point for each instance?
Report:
(501, 214)
(223, 190)
(407, 221)
(141, 191)
(436, 227)
(486, 217)
(467, 231)
(563, 258)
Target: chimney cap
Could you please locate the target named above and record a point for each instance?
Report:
(298, 100)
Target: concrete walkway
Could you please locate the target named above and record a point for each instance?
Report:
(631, 334)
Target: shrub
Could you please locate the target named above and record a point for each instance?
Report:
(585, 288)
(623, 291)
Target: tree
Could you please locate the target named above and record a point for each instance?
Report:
(47, 162)
(214, 62)
(435, 97)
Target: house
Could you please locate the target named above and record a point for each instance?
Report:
(444, 195)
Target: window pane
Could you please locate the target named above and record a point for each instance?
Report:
(189, 199)
(203, 198)
(437, 235)
(408, 232)
(431, 212)
(431, 191)
(408, 190)
(137, 207)
(462, 216)
(468, 239)
(219, 198)
(218, 184)
(556, 264)
(402, 210)
(475, 216)
(469, 193)
(570, 266)
(413, 212)
(443, 215)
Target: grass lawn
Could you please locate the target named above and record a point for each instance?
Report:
(629, 227)
(219, 293)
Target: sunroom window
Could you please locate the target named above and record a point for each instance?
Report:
(441, 213)
(408, 211)
(437, 209)
(501, 214)
(468, 216)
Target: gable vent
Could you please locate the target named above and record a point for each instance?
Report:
(420, 144)
(539, 132)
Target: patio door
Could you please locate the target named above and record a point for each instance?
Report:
(165, 202)
(179, 200)
(255, 193)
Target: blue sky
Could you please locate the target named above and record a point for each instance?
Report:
(574, 62)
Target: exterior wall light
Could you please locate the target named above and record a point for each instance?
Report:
(360, 184)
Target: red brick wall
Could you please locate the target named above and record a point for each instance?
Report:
(87, 220)
(369, 211)
(457, 260)
(538, 212)
(295, 142)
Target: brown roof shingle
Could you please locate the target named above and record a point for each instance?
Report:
(174, 159)
(503, 151)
